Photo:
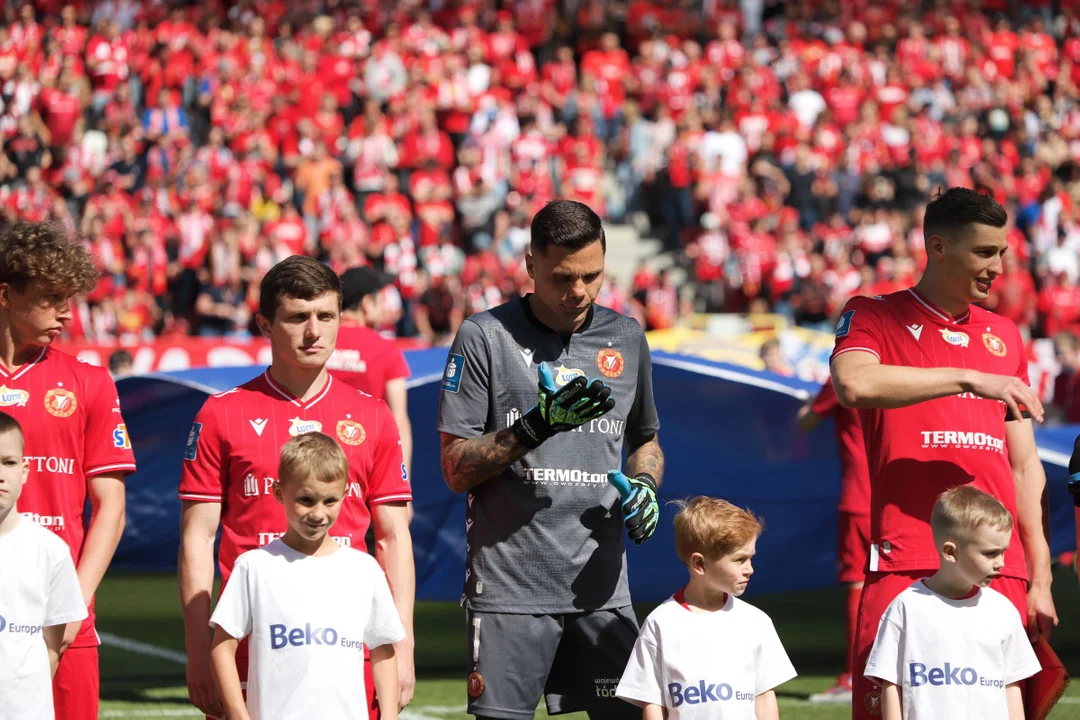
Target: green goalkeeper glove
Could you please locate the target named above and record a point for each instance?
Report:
(639, 506)
(561, 409)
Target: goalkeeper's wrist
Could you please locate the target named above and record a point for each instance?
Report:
(647, 479)
(531, 429)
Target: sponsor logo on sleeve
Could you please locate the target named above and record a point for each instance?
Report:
(404, 473)
(192, 448)
(299, 427)
(60, 402)
(993, 343)
(350, 432)
(610, 362)
(455, 366)
(120, 437)
(843, 325)
(955, 337)
(13, 397)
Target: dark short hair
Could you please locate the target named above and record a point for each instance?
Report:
(957, 208)
(9, 424)
(567, 224)
(119, 359)
(297, 277)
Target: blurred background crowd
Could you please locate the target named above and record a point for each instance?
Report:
(782, 151)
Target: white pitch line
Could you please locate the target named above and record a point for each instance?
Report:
(142, 648)
(178, 712)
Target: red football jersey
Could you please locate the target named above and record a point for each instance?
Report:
(917, 452)
(235, 444)
(855, 478)
(70, 416)
(366, 360)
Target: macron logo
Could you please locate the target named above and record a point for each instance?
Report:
(258, 426)
(526, 355)
(915, 330)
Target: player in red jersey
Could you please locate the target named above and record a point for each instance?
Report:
(76, 442)
(232, 454)
(853, 521)
(364, 358)
(942, 390)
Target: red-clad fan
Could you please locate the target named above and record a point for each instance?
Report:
(365, 359)
(232, 454)
(944, 399)
(77, 445)
(854, 517)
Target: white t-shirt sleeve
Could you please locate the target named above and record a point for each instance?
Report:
(384, 624)
(233, 611)
(1019, 657)
(65, 601)
(887, 656)
(642, 682)
(772, 665)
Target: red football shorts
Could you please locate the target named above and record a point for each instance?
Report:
(853, 547)
(369, 679)
(880, 590)
(77, 685)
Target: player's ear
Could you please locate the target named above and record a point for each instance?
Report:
(529, 263)
(935, 246)
(263, 324)
(5, 296)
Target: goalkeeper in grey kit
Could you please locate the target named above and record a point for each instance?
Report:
(538, 398)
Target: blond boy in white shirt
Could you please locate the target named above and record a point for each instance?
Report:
(39, 593)
(950, 647)
(308, 606)
(704, 654)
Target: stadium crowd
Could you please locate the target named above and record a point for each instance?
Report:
(783, 150)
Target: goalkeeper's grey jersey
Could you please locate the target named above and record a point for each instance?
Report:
(546, 536)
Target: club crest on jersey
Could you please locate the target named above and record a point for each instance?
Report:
(299, 427)
(9, 397)
(610, 362)
(564, 375)
(350, 432)
(993, 343)
(120, 437)
(955, 337)
(60, 402)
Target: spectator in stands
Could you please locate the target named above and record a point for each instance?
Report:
(1066, 405)
(121, 364)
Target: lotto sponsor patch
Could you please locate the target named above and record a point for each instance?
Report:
(455, 367)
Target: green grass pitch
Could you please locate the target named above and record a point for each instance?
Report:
(145, 609)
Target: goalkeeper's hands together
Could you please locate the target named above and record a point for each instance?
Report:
(561, 409)
(640, 509)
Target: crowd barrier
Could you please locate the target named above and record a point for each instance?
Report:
(726, 431)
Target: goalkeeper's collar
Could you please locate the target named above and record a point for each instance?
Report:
(527, 307)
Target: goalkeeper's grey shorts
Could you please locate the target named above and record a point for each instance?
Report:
(574, 660)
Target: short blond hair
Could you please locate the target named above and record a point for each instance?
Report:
(960, 512)
(712, 527)
(313, 456)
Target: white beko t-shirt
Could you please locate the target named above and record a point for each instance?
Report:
(952, 658)
(38, 588)
(705, 665)
(308, 619)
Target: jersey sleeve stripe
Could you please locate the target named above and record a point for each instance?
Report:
(400, 497)
(200, 498)
(859, 349)
(130, 467)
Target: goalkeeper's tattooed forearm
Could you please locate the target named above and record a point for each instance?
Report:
(647, 458)
(467, 463)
